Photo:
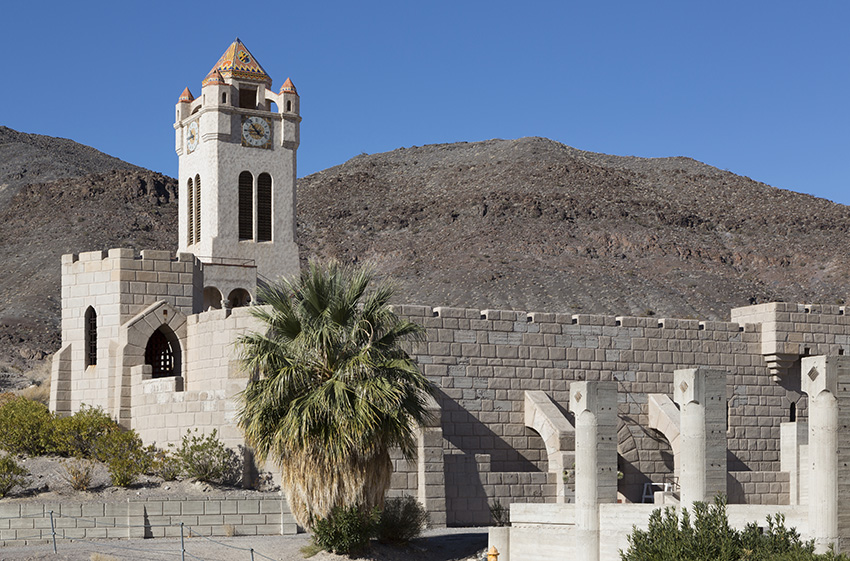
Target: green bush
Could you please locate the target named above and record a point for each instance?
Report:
(402, 520)
(26, 427)
(669, 538)
(124, 456)
(11, 475)
(206, 458)
(346, 530)
(76, 435)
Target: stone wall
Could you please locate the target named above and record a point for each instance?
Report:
(29, 522)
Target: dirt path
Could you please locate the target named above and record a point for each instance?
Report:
(452, 544)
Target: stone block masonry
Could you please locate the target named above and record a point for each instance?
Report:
(483, 362)
(24, 523)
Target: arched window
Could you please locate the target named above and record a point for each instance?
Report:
(792, 412)
(197, 208)
(264, 208)
(246, 206)
(289, 105)
(224, 97)
(190, 219)
(162, 353)
(239, 298)
(91, 337)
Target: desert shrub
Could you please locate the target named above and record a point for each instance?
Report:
(11, 475)
(500, 513)
(26, 427)
(206, 458)
(402, 519)
(77, 435)
(671, 538)
(78, 473)
(165, 465)
(124, 456)
(346, 530)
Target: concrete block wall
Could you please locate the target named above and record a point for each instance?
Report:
(23, 523)
(484, 361)
(758, 487)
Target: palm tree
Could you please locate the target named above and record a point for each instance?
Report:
(334, 389)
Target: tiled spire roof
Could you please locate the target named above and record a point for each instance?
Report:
(238, 62)
(214, 78)
(186, 96)
(288, 87)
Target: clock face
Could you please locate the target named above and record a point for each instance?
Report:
(256, 131)
(192, 136)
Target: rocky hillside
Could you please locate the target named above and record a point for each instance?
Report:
(534, 225)
(526, 224)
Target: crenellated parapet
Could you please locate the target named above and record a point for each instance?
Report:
(791, 331)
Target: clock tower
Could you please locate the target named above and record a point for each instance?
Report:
(237, 146)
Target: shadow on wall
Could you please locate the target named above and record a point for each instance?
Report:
(479, 452)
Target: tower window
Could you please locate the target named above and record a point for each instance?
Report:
(190, 218)
(246, 206)
(161, 355)
(248, 98)
(289, 105)
(792, 412)
(264, 208)
(197, 208)
(91, 337)
(223, 97)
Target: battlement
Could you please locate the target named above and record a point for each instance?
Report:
(596, 320)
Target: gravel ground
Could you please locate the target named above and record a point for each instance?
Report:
(445, 544)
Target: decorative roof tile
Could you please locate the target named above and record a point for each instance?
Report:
(186, 96)
(288, 87)
(214, 78)
(238, 62)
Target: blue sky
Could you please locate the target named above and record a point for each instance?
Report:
(759, 88)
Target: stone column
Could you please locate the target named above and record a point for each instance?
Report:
(430, 465)
(595, 407)
(701, 395)
(821, 377)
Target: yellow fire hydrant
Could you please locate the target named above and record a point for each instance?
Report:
(493, 554)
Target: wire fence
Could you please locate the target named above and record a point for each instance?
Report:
(57, 535)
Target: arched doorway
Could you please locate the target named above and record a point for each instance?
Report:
(162, 353)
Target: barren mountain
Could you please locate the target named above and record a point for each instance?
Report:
(527, 224)
(534, 225)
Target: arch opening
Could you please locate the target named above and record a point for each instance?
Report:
(162, 353)
(239, 298)
(212, 298)
(246, 206)
(264, 208)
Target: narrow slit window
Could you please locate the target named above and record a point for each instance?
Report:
(264, 208)
(91, 337)
(246, 206)
(190, 219)
(197, 208)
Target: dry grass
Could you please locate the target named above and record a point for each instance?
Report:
(39, 393)
(102, 557)
(229, 530)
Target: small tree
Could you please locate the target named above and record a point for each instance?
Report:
(335, 391)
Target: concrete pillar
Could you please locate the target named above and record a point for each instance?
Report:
(793, 444)
(595, 407)
(828, 408)
(430, 465)
(701, 395)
